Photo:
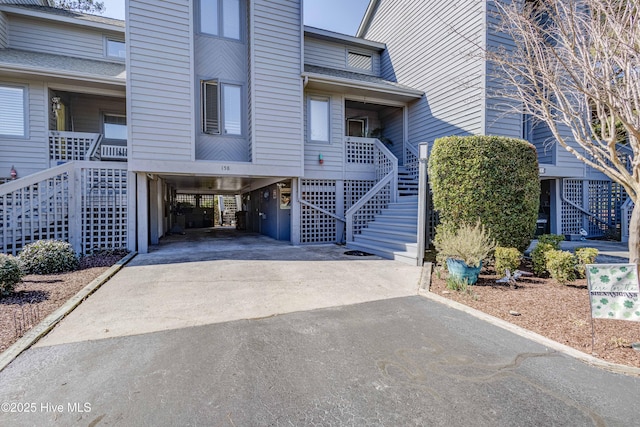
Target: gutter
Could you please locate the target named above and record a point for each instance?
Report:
(357, 84)
(65, 74)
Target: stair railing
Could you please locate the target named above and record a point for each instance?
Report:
(384, 192)
(36, 207)
(70, 146)
(411, 160)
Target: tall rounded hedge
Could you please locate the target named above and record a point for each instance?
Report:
(490, 178)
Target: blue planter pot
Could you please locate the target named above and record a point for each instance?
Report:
(460, 271)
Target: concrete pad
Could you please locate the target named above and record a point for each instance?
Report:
(189, 284)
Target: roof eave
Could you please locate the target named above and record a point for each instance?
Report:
(322, 34)
(72, 75)
(357, 84)
(63, 19)
(366, 20)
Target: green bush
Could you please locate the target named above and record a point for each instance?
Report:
(493, 179)
(552, 239)
(10, 273)
(538, 258)
(584, 256)
(507, 258)
(468, 243)
(48, 257)
(561, 265)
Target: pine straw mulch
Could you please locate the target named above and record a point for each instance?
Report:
(40, 295)
(559, 312)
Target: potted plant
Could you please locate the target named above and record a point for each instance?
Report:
(464, 250)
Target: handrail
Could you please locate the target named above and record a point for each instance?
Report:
(35, 178)
(581, 209)
(319, 209)
(363, 200)
(93, 148)
(412, 167)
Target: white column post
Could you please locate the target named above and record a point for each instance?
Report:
(423, 151)
(295, 211)
(143, 213)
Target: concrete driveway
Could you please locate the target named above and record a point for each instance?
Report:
(353, 345)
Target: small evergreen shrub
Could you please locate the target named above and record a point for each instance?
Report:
(538, 258)
(10, 273)
(507, 258)
(468, 243)
(552, 239)
(490, 178)
(584, 256)
(48, 257)
(561, 265)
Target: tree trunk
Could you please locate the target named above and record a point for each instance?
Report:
(634, 234)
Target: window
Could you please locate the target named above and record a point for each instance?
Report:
(12, 111)
(221, 18)
(115, 126)
(116, 49)
(221, 108)
(359, 61)
(319, 119)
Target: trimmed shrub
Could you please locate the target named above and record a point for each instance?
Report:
(487, 178)
(468, 243)
(552, 239)
(561, 265)
(48, 257)
(538, 258)
(584, 256)
(10, 273)
(507, 258)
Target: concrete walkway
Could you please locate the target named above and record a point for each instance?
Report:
(220, 275)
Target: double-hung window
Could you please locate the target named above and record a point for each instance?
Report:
(115, 126)
(12, 111)
(318, 119)
(221, 108)
(221, 18)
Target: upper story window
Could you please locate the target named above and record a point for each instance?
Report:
(221, 108)
(115, 126)
(359, 61)
(12, 111)
(319, 119)
(221, 18)
(115, 48)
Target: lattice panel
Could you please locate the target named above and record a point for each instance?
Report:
(230, 208)
(355, 190)
(359, 152)
(35, 212)
(384, 165)
(68, 146)
(373, 207)
(572, 217)
(605, 201)
(316, 226)
(104, 208)
(411, 162)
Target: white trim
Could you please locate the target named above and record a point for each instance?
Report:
(25, 110)
(192, 79)
(319, 33)
(320, 98)
(366, 19)
(72, 75)
(106, 39)
(358, 84)
(64, 19)
(212, 168)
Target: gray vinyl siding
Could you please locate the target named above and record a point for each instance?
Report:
(57, 38)
(28, 155)
(323, 53)
(159, 80)
(226, 60)
(429, 47)
(4, 35)
(277, 85)
(332, 152)
(394, 119)
(503, 117)
(544, 142)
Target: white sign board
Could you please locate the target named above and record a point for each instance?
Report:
(614, 291)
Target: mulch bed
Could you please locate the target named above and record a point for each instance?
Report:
(559, 312)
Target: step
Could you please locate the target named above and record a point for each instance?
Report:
(403, 213)
(394, 219)
(405, 257)
(408, 199)
(392, 233)
(378, 239)
(405, 228)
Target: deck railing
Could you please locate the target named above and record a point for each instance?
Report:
(70, 146)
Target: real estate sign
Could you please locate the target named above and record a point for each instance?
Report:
(614, 291)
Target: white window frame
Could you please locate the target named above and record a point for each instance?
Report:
(25, 112)
(326, 99)
(104, 116)
(108, 39)
(221, 119)
(220, 28)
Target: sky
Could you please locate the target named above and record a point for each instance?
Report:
(342, 16)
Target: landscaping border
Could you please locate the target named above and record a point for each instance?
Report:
(41, 329)
(525, 333)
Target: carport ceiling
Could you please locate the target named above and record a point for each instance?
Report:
(216, 184)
